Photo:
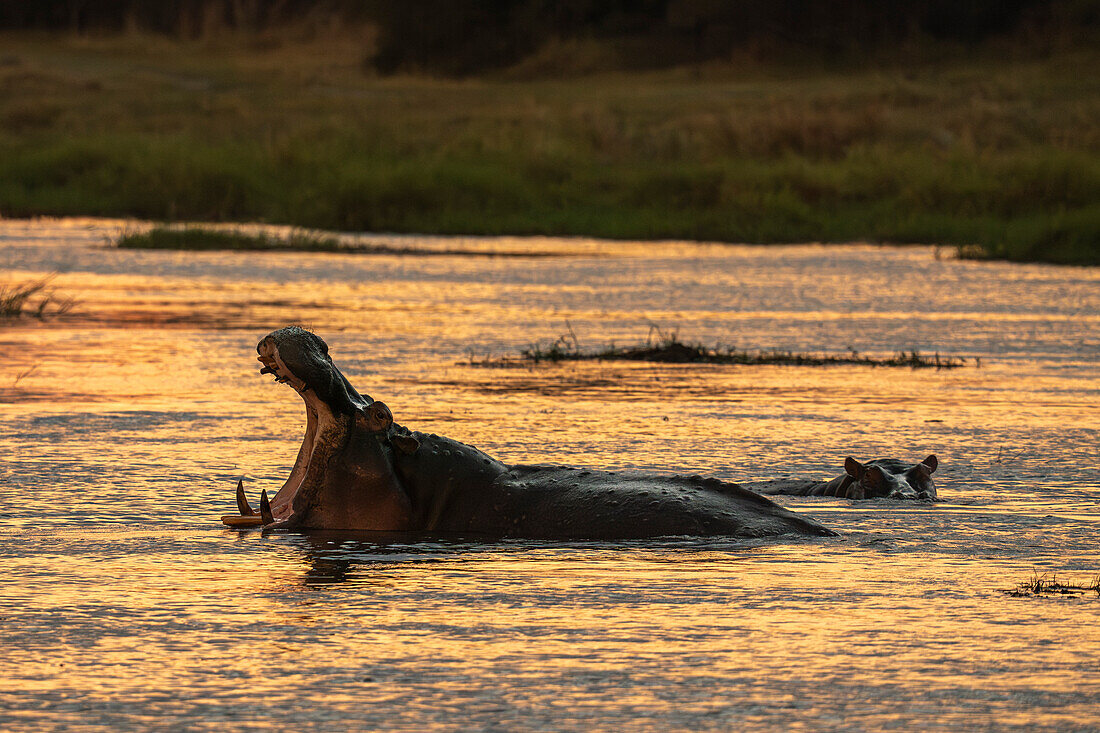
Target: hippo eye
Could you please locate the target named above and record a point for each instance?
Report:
(873, 476)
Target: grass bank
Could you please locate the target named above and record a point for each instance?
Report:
(998, 155)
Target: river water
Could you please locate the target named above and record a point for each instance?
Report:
(125, 425)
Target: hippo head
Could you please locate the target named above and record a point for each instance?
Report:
(891, 478)
(343, 477)
(300, 359)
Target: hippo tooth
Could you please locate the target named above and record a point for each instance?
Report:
(242, 501)
(265, 508)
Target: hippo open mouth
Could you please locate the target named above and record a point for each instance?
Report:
(300, 360)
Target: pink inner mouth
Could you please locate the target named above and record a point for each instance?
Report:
(282, 502)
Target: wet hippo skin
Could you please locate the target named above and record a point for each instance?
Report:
(359, 470)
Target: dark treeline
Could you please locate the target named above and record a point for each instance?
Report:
(460, 37)
(464, 37)
(184, 18)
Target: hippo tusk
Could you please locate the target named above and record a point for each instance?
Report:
(247, 518)
(242, 501)
(265, 508)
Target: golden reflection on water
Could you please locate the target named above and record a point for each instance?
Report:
(125, 426)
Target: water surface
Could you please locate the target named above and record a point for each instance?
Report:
(125, 425)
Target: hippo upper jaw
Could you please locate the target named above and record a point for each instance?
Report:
(300, 359)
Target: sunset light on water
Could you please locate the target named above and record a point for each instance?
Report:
(127, 422)
(569, 366)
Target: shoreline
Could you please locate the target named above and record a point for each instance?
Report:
(1001, 159)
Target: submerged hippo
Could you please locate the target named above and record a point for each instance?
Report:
(358, 470)
(886, 478)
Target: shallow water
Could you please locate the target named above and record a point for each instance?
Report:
(125, 425)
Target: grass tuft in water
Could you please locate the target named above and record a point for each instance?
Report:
(1040, 585)
(33, 298)
(666, 347)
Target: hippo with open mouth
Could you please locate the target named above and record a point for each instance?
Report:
(883, 478)
(359, 470)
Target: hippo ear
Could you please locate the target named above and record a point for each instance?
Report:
(407, 444)
(853, 467)
(874, 477)
(931, 461)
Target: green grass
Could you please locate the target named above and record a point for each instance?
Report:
(1069, 238)
(662, 347)
(996, 154)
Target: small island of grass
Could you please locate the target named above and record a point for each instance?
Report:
(209, 239)
(667, 348)
(1041, 585)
